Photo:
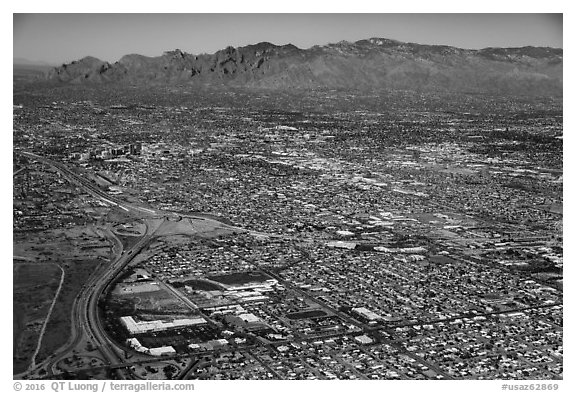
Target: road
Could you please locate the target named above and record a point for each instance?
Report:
(77, 329)
(86, 320)
(85, 315)
(86, 323)
(43, 330)
(87, 185)
(18, 171)
(195, 357)
(95, 191)
(91, 321)
(33, 364)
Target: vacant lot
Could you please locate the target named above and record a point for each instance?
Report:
(78, 251)
(59, 325)
(34, 288)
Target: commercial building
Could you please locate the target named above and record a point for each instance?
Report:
(157, 326)
(367, 314)
(364, 340)
(162, 351)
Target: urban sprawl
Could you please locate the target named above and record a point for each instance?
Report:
(234, 235)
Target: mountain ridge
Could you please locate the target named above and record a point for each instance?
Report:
(372, 63)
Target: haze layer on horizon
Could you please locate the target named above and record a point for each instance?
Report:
(59, 38)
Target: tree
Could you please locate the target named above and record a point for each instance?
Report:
(169, 371)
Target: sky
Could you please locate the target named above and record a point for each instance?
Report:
(58, 38)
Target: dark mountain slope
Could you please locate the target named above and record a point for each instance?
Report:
(367, 64)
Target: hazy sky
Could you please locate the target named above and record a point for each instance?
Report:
(58, 38)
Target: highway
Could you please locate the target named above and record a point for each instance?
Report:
(85, 315)
(78, 317)
(95, 191)
(195, 358)
(79, 323)
(87, 185)
(91, 320)
(86, 323)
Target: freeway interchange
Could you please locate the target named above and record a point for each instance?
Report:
(87, 327)
(86, 324)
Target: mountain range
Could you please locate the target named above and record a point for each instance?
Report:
(20, 61)
(374, 63)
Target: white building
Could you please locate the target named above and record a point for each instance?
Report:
(364, 339)
(158, 326)
(135, 344)
(162, 351)
(249, 318)
(368, 314)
